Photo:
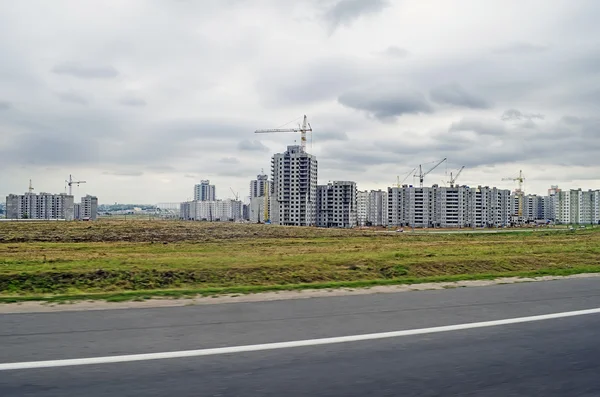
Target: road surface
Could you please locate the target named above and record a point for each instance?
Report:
(553, 357)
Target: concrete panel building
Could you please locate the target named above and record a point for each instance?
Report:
(448, 207)
(259, 187)
(204, 191)
(362, 197)
(336, 204)
(212, 211)
(40, 206)
(377, 212)
(293, 188)
(88, 209)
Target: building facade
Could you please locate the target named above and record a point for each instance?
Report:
(293, 188)
(259, 187)
(40, 206)
(212, 211)
(448, 207)
(362, 198)
(336, 204)
(204, 191)
(88, 209)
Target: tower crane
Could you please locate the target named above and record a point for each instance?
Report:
(454, 178)
(302, 129)
(30, 187)
(519, 192)
(399, 183)
(422, 174)
(71, 182)
(235, 195)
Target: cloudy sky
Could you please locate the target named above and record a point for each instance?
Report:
(142, 99)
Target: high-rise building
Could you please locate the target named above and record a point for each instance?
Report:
(204, 191)
(336, 204)
(40, 206)
(293, 188)
(362, 199)
(377, 202)
(88, 209)
(259, 186)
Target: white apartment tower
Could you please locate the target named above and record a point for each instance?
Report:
(362, 198)
(259, 186)
(336, 204)
(204, 191)
(377, 203)
(294, 188)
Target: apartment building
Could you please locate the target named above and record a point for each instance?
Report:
(88, 209)
(336, 204)
(212, 211)
(293, 188)
(40, 206)
(362, 198)
(204, 191)
(259, 187)
(377, 212)
(447, 207)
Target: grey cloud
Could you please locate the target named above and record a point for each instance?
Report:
(229, 160)
(252, 146)
(131, 101)
(191, 176)
(514, 114)
(72, 97)
(85, 71)
(332, 136)
(385, 103)
(454, 94)
(520, 48)
(123, 173)
(345, 12)
(4, 105)
(395, 52)
(479, 126)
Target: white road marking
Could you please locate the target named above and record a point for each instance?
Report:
(285, 345)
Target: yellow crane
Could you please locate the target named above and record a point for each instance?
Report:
(519, 191)
(302, 129)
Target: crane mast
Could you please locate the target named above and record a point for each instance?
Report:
(519, 192)
(71, 182)
(422, 174)
(453, 179)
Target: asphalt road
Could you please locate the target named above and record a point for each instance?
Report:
(559, 357)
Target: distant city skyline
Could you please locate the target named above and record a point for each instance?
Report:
(145, 105)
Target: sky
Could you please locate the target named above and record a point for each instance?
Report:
(142, 99)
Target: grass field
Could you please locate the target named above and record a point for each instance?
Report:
(72, 260)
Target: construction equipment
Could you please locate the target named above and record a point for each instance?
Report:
(422, 174)
(454, 178)
(266, 203)
(30, 187)
(399, 183)
(235, 195)
(519, 191)
(302, 129)
(71, 182)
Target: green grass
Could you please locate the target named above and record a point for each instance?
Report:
(236, 291)
(137, 259)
